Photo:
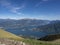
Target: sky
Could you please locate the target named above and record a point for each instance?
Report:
(33, 9)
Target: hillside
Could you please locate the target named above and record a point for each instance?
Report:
(5, 34)
(52, 28)
(51, 37)
(10, 23)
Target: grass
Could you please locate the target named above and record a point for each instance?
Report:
(37, 42)
(5, 34)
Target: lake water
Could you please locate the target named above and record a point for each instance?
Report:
(27, 33)
(31, 33)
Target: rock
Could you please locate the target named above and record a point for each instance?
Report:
(11, 42)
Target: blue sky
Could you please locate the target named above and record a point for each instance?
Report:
(35, 9)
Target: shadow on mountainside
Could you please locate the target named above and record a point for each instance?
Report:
(50, 37)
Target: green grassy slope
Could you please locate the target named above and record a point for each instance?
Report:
(51, 37)
(5, 34)
(37, 42)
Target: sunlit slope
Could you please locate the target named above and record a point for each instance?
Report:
(5, 34)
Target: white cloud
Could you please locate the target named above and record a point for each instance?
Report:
(42, 1)
(15, 9)
(11, 7)
(5, 3)
(38, 4)
(20, 13)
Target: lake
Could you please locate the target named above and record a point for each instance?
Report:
(30, 33)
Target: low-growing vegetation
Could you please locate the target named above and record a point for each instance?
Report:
(6, 35)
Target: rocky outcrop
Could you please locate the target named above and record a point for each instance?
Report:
(11, 42)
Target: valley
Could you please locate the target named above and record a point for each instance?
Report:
(29, 33)
(7, 38)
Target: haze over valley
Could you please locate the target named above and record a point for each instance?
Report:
(29, 22)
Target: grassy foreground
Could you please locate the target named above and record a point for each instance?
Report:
(37, 42)
(5, 34)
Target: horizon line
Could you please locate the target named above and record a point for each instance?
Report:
(28, 18)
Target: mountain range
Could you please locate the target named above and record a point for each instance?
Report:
(22, 23)
(30, 27)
